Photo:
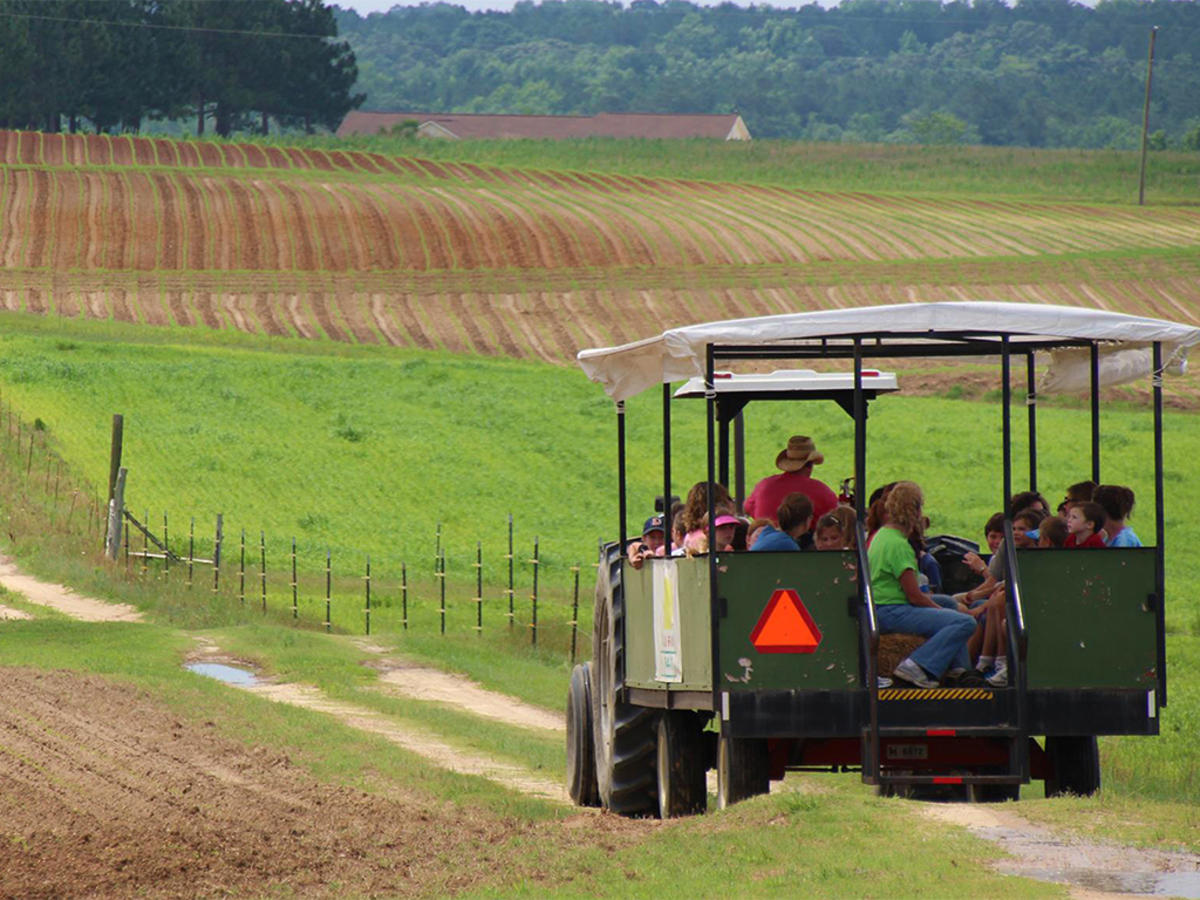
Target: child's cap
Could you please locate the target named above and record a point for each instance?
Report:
(727, 520)
(654, 523)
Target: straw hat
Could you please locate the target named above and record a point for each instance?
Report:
(800, 452)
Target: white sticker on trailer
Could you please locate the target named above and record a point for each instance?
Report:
(668, 663)
(1151, 705)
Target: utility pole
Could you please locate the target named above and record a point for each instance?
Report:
(1146, 119)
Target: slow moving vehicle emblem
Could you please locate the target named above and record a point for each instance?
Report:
(785, 626)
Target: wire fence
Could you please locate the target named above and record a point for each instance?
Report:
(391, 600)
(47, 503)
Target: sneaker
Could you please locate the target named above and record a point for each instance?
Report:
(999, 678)
(911, 673)
(883, 681)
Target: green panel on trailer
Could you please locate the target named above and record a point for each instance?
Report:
(1087, 617)
(826, 585)
(674, 653)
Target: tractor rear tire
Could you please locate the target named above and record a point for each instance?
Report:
(1074, 765)
(743, 770)
(581, 752)
(681, 765)
(625, 736)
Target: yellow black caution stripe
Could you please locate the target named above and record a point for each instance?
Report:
(971, 693)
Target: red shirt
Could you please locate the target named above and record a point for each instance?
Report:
(764, 500)
(1096, 540)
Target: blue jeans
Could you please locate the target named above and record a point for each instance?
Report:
(946, 632)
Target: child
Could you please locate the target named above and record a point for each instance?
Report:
(829, 533)
(1052, 532)
(1085, 522)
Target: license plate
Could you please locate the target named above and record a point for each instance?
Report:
(907, 751)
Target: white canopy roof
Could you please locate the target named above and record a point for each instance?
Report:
(679, 353)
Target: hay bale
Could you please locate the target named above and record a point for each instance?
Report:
(896, 647)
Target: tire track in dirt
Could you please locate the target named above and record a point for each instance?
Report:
(415, 740)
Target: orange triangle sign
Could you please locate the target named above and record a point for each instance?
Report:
(785, 626)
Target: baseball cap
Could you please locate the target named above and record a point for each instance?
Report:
(654, 523)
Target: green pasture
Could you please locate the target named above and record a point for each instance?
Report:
(1101, 176)
(363, 451)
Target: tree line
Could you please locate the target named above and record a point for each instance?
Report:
(1042, 73)
(108, 65)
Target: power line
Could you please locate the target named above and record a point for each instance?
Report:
(160, 27)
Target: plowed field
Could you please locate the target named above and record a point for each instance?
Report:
(105, 793)
(360, 247)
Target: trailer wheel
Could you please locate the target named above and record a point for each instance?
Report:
(742, 770)
(1073, 765)
(681, 765)
(581, 753)
(624, 735)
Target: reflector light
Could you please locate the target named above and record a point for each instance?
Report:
(785, 626)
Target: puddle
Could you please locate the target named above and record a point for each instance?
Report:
(1165, 884)
(222, 672)
(1097, 866)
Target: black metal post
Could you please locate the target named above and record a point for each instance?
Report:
(441, 574)
(574, 611)
(739, 460)
(217, 553)
(479, 587)
(166, 549)
(1159, 518)
(262, 572)
(1031, 409)
(723, 452)
(1095, 351)
(404, 596)
(533, 623)
(511, 584)
(191, 551)
(328, 590)
(666, 412)
(621, 470)
(714, 595)
(242, 571)
(295, 597)
(368, 589)
(1006, 421)
(860, 436)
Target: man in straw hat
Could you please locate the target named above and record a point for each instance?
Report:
(796, 460)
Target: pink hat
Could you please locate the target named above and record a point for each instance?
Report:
(728, 520)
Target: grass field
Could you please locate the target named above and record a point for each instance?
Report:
(1103, 176)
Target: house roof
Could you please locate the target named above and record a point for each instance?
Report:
(619, 125)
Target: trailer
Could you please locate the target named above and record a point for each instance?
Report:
(757, 664)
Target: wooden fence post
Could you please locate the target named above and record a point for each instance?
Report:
(116, 510)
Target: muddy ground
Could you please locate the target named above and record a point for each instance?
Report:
(105, 793)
